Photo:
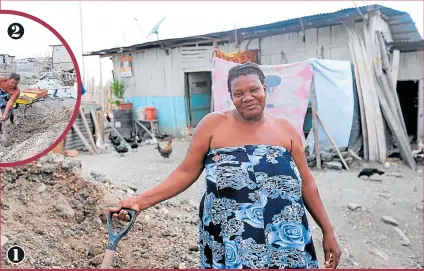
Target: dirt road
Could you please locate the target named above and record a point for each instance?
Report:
(367, 240)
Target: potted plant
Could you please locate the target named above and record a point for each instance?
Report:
(118, 89)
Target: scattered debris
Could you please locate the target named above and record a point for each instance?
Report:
(354, 206)
(394, 174)
(4, 240)
(383, 195)
(405, 239)
(326, 156)
(375, 179)
(333, 165)
(390, 220)
(382, 255)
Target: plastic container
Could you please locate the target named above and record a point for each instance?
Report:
(141, 115)
(150, 113)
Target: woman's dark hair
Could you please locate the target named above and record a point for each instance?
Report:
(247, 68)
(15, 76)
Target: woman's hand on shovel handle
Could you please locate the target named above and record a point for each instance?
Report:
(130, 203)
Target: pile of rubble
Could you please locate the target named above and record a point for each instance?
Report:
(58, 215)
(34, 131)
(330, 159)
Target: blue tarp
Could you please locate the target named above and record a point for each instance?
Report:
(335, 101)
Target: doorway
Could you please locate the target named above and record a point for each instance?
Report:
(198, 95)
(408, 98)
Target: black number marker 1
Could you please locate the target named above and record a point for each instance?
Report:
(15, 254)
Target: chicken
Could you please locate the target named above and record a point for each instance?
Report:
(139, 140)
(116, 141)
(121, 149)
(134, 145)
(369, 172)
(167, 150)
(130, 139)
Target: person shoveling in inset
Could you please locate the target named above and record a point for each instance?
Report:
(9, 93)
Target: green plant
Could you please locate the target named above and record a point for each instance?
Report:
(117, 89)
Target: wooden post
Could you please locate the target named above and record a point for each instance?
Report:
(403, 142)
(395, 67)
(99, 137)
(315, 125)
(389, 76)
(332, 142)
(101, 123)
(308, 138)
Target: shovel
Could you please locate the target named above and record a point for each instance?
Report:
(115, 238)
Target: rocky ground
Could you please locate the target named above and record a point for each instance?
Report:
(55, 209)
(35, 131)
(58, 216)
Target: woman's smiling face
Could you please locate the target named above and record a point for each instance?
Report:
(249, 96)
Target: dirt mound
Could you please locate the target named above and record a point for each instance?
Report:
(35, 131)
(58, 216)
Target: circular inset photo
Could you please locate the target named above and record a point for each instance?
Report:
(40, 88)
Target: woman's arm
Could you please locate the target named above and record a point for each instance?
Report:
(182, 177)
(309, 188)
(10, 103)
(312, 200)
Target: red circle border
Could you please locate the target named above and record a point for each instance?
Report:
(79, 87)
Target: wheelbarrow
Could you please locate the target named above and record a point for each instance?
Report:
(115, 238)
(28, 98)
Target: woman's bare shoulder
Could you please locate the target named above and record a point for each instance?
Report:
(284, 123)
(216, 117)
(213, 120)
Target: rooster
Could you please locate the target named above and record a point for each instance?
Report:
(166, 151)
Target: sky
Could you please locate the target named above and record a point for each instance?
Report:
(107, 24)
(36, 35)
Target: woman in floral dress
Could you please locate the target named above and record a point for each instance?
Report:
(252, 214)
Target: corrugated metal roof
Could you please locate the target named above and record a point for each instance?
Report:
(408, 46)
(400, 23)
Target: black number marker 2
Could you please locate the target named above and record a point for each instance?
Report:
(15, 31)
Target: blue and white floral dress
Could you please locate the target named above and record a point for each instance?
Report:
(4, 98)
(252, 214)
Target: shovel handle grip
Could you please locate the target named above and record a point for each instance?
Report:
(115, 238)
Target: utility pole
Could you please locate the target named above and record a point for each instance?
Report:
(82, 43)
